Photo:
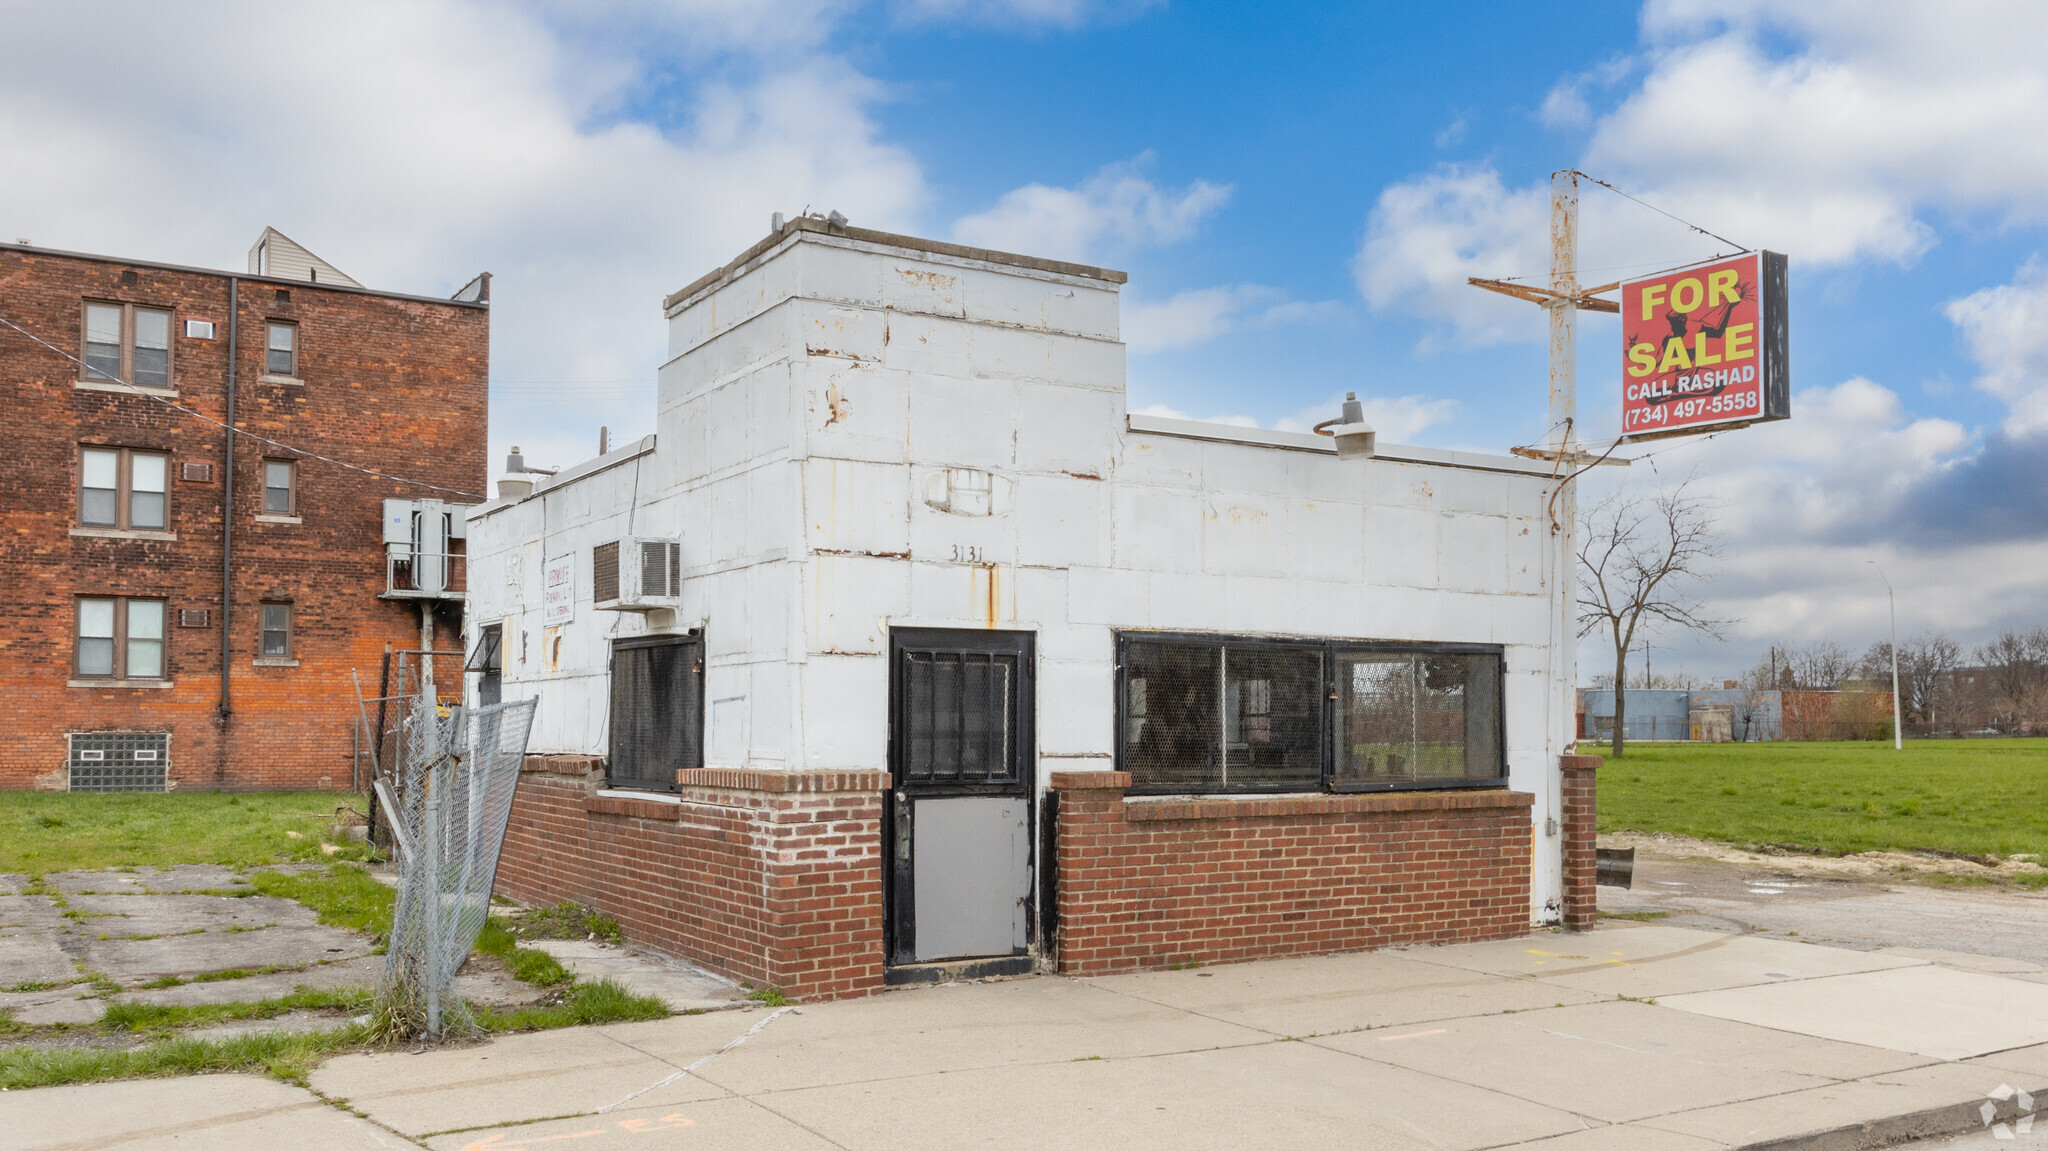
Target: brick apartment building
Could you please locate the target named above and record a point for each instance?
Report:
(186, 611)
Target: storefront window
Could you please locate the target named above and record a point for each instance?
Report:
(1203, 714)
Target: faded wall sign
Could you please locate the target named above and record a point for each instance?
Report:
(1705, 348)
(558, 591)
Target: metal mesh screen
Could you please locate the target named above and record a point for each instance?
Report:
(1272, 718)
(604, 572)
(119, 760)
(1172, 722)
(657, 713)
(456, 773)
(957, 713)
(1412, 717)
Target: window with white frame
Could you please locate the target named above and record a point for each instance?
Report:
(129, 344)
(120, 638)
(280, 487)
(281, 349)
(122, 488)
(276, 638)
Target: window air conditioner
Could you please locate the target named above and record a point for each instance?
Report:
(637, 574)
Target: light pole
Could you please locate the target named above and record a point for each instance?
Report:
(1898, 731)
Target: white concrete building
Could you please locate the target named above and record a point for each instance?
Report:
(868, 444)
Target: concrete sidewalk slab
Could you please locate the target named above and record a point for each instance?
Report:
(1627, 1137)
(1647, 962)
(682, 986)
(146, 914)
(521, 1078)
(954, 1027)
(726, 1124)
(216, 1112)
(1618, 1062)
(2031, 1061)
(1272, 1095)
(1884, 1110)
(1966, 961)
(363, 971)
(220, 951)
(1326, 994)
(1935, 1011)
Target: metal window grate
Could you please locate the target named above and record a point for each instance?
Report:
(196, 473)
(604, 573)
(119, 760)
(657, 712)
(195, 617)
(958, 709)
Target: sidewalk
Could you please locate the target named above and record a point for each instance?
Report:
(1545, 1042)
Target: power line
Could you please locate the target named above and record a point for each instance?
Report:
(1660, 211)
(92, 373)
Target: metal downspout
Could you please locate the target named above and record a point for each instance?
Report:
(227, 512)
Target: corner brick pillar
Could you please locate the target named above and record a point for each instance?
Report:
(1091, 824)
(1581, 900)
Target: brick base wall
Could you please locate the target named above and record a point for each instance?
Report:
(770, 877)
(1581, 831)
(1145, 884)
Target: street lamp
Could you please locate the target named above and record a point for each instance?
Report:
(1898, 731)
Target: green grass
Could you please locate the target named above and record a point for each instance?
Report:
(165, 1016)
(600, 1002)
(526, 964)
(1970, 797)
(568, 921)
(289, 1057)
(43, 831)
(343, 895)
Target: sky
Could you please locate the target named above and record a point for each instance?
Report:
(1298, 193)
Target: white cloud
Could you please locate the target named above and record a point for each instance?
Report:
(1428, 234)
(1397, 419)
(1112, 211)
(1830, 151)
(1055, 13)
(1198, 316)
(2006, 330)
(416, 144)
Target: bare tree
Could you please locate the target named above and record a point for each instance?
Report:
(1751, 712)
(1927, 665)
(2017, 664)
(1637, 554)
(1821, 665)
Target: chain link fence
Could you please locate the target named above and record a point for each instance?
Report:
(451, 796)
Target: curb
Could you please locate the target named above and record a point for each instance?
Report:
(1949, 1119)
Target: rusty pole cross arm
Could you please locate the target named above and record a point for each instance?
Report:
(1586, 298)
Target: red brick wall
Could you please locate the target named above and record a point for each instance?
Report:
(395, 384)
(1151, 883)
(1581, 830)
(770, 877)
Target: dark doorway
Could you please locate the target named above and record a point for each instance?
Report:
(490, 661)
(657, 711)
(960, 817)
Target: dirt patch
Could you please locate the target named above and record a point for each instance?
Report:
(2015, 870)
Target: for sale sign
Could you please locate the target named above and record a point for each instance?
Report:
(1705, 348)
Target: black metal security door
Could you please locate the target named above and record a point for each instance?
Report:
(657, 711)
(959, 821)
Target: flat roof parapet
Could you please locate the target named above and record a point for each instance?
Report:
(811, 224)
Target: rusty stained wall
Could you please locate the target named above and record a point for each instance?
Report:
(855, 437)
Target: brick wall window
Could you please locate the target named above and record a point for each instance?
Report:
(123, 488)
(128, 344)
(280, 488)
(281, 349)
(1206, 714)
(277, 631)
(120, 638)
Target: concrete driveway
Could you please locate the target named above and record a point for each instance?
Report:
(1551, 1041)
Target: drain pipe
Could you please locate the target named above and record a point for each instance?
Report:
(227, 511)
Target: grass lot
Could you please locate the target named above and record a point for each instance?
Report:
(43, 831)
(1973, 797)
